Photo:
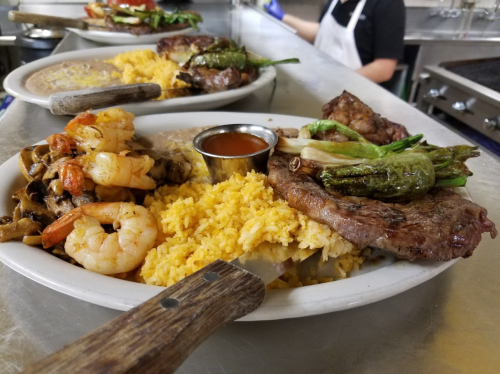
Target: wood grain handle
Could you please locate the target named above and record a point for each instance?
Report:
(158, 335)
(74, 102)
(41, 19)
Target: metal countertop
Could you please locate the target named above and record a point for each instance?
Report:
(449, 324)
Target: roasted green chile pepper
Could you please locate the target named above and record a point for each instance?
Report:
(220, 60)
(407, 175)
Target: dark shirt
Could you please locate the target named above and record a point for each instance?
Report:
(380, 30)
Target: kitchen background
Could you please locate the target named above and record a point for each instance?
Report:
(437, 32)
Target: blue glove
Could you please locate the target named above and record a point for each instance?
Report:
(274, 9)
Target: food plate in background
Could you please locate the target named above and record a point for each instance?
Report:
(124, 38)
(374, 282)
(14, 84)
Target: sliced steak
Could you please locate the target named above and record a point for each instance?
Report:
(441, 225)
(350, 111)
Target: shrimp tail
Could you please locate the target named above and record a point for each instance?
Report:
(85, 118)
(61, 143)
(72, 177)
(57, 231)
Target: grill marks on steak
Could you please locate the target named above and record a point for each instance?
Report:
(212, 80)
(441, 225)
(350, 111)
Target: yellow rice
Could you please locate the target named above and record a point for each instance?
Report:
(146, 66)
(200, 223)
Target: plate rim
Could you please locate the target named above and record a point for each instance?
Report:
(125, 34)
(122, 38)
(275, 306)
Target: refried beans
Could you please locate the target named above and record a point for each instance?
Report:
(73, 76)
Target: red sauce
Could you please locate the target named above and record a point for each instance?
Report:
(233, 144)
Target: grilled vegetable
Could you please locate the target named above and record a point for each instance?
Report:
(407, 174)
(404, 168)
(225, 53)
(220, 60)
(154, 17)
(238, 60)
(358, 148)
(127, 20)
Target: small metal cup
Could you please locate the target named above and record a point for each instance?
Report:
(222, 167)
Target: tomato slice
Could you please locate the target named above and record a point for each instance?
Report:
(89, 12)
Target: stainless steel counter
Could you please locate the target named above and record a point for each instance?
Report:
(449, 324)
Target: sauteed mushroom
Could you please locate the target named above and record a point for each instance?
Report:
(35, 161)
(171, 167)
(19, 229)
(51, 172)
(59, 205)
(86, 197)
(26, 162)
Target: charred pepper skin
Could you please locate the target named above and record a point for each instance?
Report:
(222, 60)
(407, 175)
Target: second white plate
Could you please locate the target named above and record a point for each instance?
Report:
(14, 84)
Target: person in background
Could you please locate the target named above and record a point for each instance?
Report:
(364, 35)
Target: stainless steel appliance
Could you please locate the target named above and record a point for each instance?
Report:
(9, 54)
(464, 92)
(37, 42)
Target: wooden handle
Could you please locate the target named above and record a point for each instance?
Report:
(74, 102)
(158, 335)
(41, 19)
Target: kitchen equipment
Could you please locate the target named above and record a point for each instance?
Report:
(159, 335)
(467, 91)
(9, 53)
(36, 42)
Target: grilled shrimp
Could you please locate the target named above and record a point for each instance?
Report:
(107, 169)
(72, 177)
(89, 244)
(108, 131)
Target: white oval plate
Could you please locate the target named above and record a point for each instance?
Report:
(373, 283)
(123, 38)
(14, 84)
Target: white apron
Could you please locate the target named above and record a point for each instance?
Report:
(338, 41)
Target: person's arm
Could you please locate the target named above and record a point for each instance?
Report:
(388, 31)
(306, 29)
(380, 70)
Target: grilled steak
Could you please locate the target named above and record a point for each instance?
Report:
(142, 29)
(441, 225)
(350, 111)
(179, 44)
(212, 80)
